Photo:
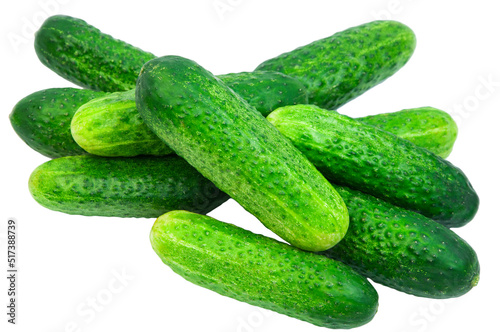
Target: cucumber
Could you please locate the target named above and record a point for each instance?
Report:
(87, 57)
(111, 126)
(341, 67)
(404, 250)
(379, 163)
(261, 271)
(231, 143)
(42, 120)
(427, 127)
(265, 90)
(140, 187)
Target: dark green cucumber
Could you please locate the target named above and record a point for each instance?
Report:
(231, 143)
(341, 67)
(404, 250)
(265, 90)
(379, 163)
(262, 271)
(111, 126)
(84, 55)
(141, 187)
(42, 120)
(427, 127)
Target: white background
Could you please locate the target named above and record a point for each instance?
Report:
(65, 261)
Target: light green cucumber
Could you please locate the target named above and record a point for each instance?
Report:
(231, 143)
(261, 271)
(427, 127)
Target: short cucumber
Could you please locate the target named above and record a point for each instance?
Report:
(379, 163)
(111, 126)
(427, 127)
(87, 57)
(262, 271)
(42, 120)
(141, 187)
(404, 250)
(341, 67)
(231, 143)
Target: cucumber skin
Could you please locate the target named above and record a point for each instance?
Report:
(87, 57)
(404, 250)
(140, 187)
(233, 145)
(111, 126)
(262, 271)
(426, 127)
(341, 67)
(379, 163)
(42, 120)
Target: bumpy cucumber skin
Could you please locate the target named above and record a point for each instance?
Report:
(379, 163)
(231, 143)
(427, 127)
(262, 271)
(87, 57)
(341, 67)
(111, 126)
(404, 250)
(42, 120)
(140, 187)
(266, 91)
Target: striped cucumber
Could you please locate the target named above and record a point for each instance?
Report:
(371, 160)
(84, 55)
(404, 250)
(230, 143)
(42, 120)
(141, 187)
(262, 271)
(427, 127)
(341, 67)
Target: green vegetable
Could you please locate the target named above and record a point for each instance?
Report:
(111, 126)
(341, 67)
(142, 187)
(427, 127)
(404, 250)
(87, 57)
(233, 145)
(42, 120)
(371, 160)
(262, 271)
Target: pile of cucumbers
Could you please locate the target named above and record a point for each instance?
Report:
(353, 198)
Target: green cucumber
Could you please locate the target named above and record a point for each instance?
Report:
(231, 143)
(261, 271)
(87, 57)
(42, 120)
(404, 250)
(341, 67)
(427, 127)
(379, 163)
(111, 126)
(141, 187)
